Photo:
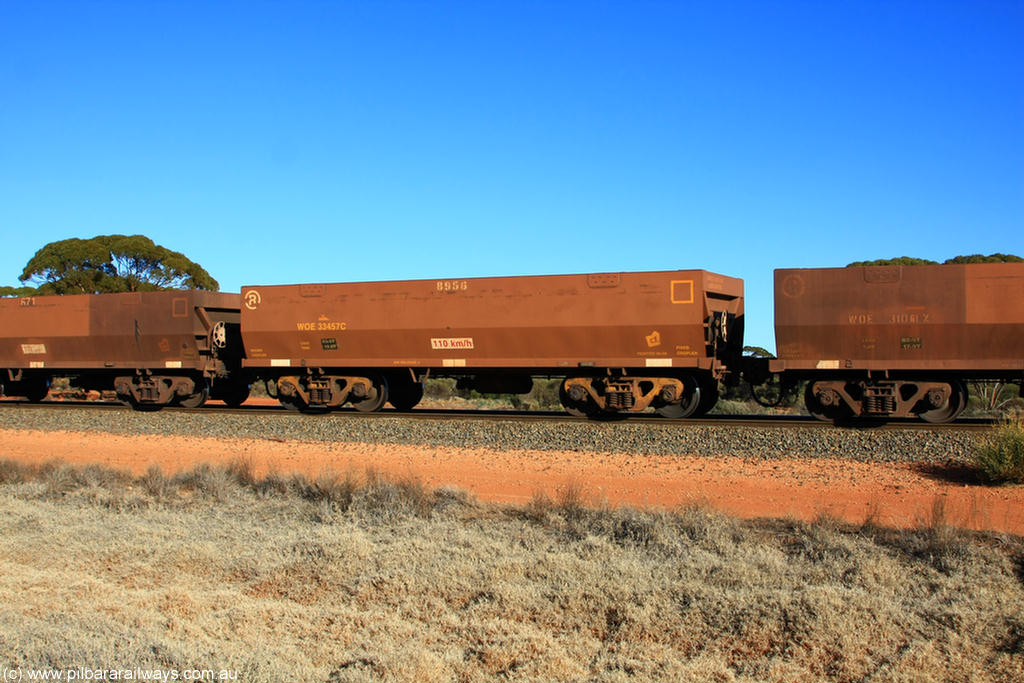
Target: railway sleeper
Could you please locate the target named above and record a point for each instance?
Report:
(615, 394)
(933, 401)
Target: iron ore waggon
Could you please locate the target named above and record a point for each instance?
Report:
(152, 348)
(869, 342)
(618, 341)
(897, 341)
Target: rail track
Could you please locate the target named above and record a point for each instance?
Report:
(739, 421)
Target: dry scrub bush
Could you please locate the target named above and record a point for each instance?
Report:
(387, 499)
(1000, 458)
(370, 495)
(16, 472)
(243, 472)
(330, 488)
(539, 508)
(155, 482)
(207, 481)
(273, 484)
(408, 584)
(61, 478)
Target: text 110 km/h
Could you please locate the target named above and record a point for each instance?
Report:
(441, 344)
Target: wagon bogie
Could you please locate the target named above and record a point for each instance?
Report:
(670, 396)
(148, 390)
(932, 400)
(366, 393)
(594, 395)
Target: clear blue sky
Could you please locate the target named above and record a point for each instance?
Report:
(280, 142)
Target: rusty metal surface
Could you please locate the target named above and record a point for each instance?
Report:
(129, 330)
(949, 317)
(630, 320)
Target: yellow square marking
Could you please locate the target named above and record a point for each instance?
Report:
(682, 291)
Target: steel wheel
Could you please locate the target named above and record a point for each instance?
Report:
(688, 406)
(955, 405)
(194, 400)
(689, 403)
(584, 408)
(708, 398)
(823, 412)
(405, 395)
(236, 395)
(375, 398)
(814, 406)
(36, 390)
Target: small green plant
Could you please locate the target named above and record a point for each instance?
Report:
(1000, 457)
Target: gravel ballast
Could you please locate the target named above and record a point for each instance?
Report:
(867, 445)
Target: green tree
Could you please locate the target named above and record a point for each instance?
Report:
(898, 261)
(912, 261)
(112, 263)
(991, 258)
(17, 291)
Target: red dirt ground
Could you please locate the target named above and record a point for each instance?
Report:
(901, 495)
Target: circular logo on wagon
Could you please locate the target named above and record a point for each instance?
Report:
(793, 286)
(252, 299)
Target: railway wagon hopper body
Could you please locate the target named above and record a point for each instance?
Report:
(619, 341)
(152, 348)
(893, 341)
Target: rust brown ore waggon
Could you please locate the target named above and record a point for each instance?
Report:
(892, 341)
(152, 348)
(618, 341)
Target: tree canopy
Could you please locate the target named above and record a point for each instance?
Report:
(757, 352)
(17, 291)
(110, 263)
(912, 261)
(991, 258)
(898, 261)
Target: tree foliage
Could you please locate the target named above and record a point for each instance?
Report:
(912, 261)
(757, 352)
(17, 291)
(991, 258)
(112, 263)
(898, 261)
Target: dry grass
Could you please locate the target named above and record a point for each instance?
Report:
(352, 577)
